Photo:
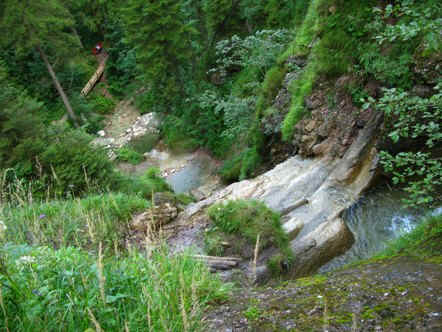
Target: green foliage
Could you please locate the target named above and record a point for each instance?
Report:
(160, 37)
(43, 27)
(231, 169)
(19, 121)
(55, 161)
(414, 119)
(144, 143)
(278, 264)
(253, 313)
(307, 31)
(258, 50)
(245, 221)
(71, 290)
(121, 67)
(70, 165)
(144, 186)
(392, 50)
(91, 121)
(217, 13)
(270, 87)
(37, 23)
(101, 104)
(424, 241)
(82, 222)
(129, 155)
(176, 136)
(418, 23)
(329, 40)
(241, 166)
(285, 12)
(300, 89)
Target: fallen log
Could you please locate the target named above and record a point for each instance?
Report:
(237, 259)
(216, 263)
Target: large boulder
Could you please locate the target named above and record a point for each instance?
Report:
(310, 194)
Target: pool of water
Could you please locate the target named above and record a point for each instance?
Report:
(375, 220)
(183, 172)
(189, 177)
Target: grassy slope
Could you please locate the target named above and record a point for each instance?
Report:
(64, 265)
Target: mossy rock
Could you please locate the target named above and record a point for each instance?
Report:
(237, 226)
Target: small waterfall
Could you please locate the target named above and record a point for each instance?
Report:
(375, 220)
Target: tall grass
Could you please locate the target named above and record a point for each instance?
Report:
(58, 271)
(76, 222)
(71, 290)
(425, 241)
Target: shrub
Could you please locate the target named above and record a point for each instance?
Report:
(129, 155)
(70, 165)
(60, 163)
(144, 186)
(176, 135)
(270, 87)
(239, 223)
(240, 166)
(71, 290)
(300, 89)
(414, 120)
(231, 169)
(101, 104)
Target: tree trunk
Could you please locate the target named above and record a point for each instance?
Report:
(58, 87)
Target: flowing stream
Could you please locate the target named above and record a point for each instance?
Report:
(375, 220)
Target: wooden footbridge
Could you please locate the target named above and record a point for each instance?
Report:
(97, 75)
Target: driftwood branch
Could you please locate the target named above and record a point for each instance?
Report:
(218, 263)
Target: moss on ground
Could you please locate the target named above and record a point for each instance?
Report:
(396, 291)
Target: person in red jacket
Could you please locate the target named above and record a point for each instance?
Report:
(97, 49)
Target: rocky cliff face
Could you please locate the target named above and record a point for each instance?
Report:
(309, 193)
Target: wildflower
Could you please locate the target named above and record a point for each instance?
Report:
(41, 216)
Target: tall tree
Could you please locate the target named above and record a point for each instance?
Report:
(42, 25)
(162, 42)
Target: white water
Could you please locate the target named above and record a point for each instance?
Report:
(375, 220)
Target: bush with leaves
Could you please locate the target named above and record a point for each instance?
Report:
(414, 120)
(259, 50)
(129, 155)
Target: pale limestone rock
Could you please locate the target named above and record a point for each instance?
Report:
(330, 185)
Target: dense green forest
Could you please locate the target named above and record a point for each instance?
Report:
(213, 70)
